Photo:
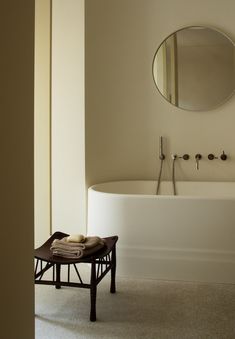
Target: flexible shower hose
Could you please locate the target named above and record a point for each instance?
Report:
(159, 177)
(173, 175)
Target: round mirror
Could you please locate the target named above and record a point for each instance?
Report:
(194, 68)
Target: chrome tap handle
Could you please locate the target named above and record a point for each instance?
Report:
(212, 157)
(185, 157)
(223, 156)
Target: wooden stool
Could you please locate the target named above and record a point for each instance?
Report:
(101, 262)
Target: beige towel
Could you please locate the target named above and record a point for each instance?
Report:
(88, 243)
(79, 253)
(61, 247)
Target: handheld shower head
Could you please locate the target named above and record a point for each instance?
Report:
(161, 154)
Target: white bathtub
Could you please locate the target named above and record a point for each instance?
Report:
(186, 237)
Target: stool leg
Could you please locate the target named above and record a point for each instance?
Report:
(113, 271)
(93, 290)
(58, 269)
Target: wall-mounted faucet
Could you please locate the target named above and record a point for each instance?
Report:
(198, 157)
(223, 156)
(212, 157)
(185, 157)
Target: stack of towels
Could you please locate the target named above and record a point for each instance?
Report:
(76, 246)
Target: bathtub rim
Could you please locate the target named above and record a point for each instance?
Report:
(93, 189)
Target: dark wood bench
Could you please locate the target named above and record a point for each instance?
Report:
(101, 262)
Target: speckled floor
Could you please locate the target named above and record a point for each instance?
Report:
(140, 309)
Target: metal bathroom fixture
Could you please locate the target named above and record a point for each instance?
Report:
(198, 157)
(223, 156)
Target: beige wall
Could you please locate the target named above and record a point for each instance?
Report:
(217, 85)
(125, 114)
(42, 121)
(68, 140)
(16, 149)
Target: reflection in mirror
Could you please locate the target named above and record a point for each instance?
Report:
(194, 68)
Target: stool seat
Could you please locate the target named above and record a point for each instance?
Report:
(102, 261)
(44, 253)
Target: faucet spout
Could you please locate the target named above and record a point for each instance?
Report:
(198, 157)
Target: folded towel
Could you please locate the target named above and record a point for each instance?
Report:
(92, 242)
(89, 242)
(61, 247)
(76, 238)
(77, 254)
